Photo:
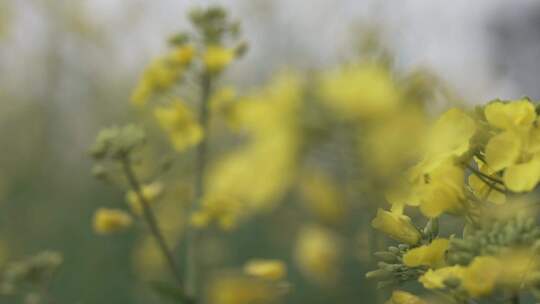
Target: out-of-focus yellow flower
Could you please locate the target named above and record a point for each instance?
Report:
(431, 255)
(239, 289)
(273, 270)
(434, 279)
(480, 277)
(182, 55)
(365, 91)
(516, 266)
(150, 192)
(322, 196)
(224, 210)
(159, 75)
(511, 115)
(179, 122)
(108, 221)
(317, 253)
(397, 226)
(390, 146)
(268, 118)
(448, 138)
(217, 58)
(403, 297)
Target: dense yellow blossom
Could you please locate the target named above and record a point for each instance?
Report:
(108, 221)
(268, 119)
(179, 122)
(216, 58)
(273, 270)
(397, 226)
(150, 192)
(431, 255)
(516, 148)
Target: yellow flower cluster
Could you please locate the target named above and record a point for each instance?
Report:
(216, 58)
(485, 273)
(180, 124)
(162, 73)
(268, 119)
(469, 164)
(516, 146)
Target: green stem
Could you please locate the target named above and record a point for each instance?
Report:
(482, 174)
(151, 220)
(200, 167)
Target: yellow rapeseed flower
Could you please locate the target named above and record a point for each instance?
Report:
(108, 221)
(434, 279)
(182, 55)
(179, 122)
(217, 58)
(431, 255)
(511, 115)
(516, 149)
(397, 226)
(273, 270)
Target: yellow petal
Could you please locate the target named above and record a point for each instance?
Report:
(431, 255)
(510, 115)
(503, 150)
(434, 279)
(523, 177)
(396, 226)
(450, 134)
(480, 276)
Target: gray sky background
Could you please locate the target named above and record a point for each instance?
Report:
(461, 40)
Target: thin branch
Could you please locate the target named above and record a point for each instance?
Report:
(151, 220)
(200, 167)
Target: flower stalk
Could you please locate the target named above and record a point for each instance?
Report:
(151, 220)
